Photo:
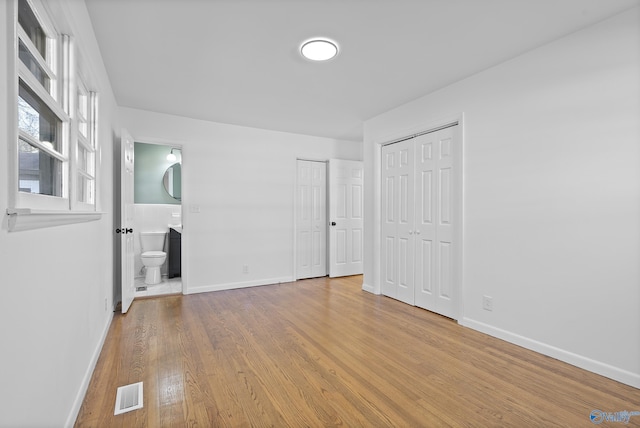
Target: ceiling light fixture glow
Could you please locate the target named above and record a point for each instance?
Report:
(319, 49)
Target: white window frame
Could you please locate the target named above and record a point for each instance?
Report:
(54, 69)
(29, 211)
(86, 142)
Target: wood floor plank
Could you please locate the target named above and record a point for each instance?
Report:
(322, 352)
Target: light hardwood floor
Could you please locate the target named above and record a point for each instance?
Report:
(322, 352)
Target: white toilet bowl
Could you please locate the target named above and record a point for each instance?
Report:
(152, 255)
(153, 260)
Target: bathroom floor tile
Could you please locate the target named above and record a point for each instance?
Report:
(166, 286)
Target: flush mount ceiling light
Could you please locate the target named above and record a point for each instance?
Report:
(319, 49)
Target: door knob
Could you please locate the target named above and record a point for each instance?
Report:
(333, 223)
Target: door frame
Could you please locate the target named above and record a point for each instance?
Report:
(184, 240)
(295, 213)
(428, 125)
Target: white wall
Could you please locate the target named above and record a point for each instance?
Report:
(54, 280)
(242, 181)
(551, 195)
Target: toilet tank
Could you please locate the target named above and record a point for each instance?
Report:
(152, 241)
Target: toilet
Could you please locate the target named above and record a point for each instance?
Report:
(152, 255)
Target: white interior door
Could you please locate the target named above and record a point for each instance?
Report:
(346, 217)
(398, 220)
(435, 222)
(311, 219)
(420, 220)
(126, 215)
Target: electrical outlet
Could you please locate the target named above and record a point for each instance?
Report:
(105, 303)
(487, 303)
(245, 268)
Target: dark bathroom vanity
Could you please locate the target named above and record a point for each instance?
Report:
(175, 252)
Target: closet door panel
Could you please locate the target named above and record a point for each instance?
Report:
(445, 297)
(398, 200)
(435, 216)
(311, 220)
(389, 222)
(303, 221)
(319, 219)
(426, 207)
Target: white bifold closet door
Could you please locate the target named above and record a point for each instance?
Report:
(311, 219)
(419, 221)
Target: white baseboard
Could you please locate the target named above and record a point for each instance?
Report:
(234, 285)
(368, 288)
(77, 403)
(615, 373)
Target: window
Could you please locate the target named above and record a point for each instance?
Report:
(42, 149)
(56, 114)
(40, 160)
(86, 146)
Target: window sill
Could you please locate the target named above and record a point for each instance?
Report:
(28, 219)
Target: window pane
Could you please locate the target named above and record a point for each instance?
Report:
(82, 158)
(82, 104)
(34, 67)
(86, 189)
(83, 128)
(32, 27)
(37, 119)
(83, 101)
(39, 172)
(85, 160)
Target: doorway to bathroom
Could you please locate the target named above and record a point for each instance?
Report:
(157, 219)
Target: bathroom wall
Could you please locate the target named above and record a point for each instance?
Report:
(153, 218)
(154, 208)
(150, 165)
(551, 195)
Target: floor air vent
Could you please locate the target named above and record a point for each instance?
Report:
(128, 398)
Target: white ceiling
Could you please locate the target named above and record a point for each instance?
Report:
(237, 61)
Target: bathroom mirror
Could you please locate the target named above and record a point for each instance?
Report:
(172, 181)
